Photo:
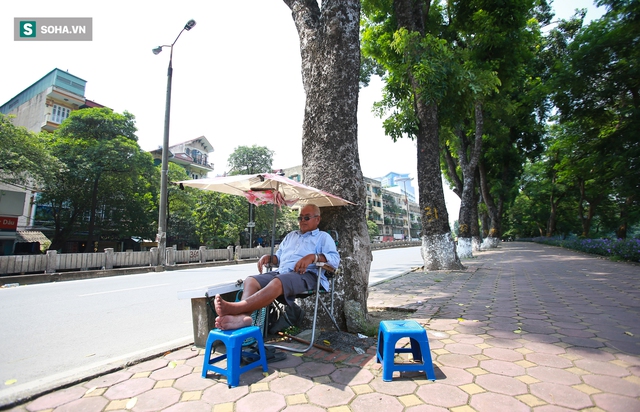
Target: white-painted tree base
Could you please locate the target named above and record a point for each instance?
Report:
(465, 248)
(439, 252)
(490, 243)
(476, 243)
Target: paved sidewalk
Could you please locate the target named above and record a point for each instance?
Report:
(526, 327)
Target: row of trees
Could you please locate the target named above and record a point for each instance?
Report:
(474, 82)
(95, 183)
(535, 131)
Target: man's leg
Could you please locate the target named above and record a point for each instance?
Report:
(234, 315)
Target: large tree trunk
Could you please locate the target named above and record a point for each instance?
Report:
(438, 247)
(493, 233)
(468, 166)
(621, 231)
(330, 49)
(92, 217)
(591, 209)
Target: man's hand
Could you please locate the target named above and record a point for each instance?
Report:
(301, 266)
(264, 260)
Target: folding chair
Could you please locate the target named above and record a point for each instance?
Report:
(330, 273)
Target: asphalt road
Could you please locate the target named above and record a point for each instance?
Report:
(55, 332)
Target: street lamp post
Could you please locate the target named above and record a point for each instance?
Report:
(161, 237)
(406, 199)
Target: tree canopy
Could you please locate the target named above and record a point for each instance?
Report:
(106, 176)
(25, 159)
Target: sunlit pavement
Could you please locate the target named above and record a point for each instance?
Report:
(525, 327)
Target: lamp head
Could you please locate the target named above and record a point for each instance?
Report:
(157, 50)
(189, 25)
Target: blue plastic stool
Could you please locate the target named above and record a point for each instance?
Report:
(393, 330)
(233, 340)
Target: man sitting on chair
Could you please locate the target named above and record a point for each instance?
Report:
(297, 273)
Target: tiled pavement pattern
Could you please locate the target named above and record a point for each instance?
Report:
(525, 328)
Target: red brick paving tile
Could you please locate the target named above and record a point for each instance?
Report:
(261, 401)
(313, 369)
(616, 403)
(508, 355)
(544, 347)
(552, 408)
(577, 333)
(467, 339)
(352, 376)
(337, 357)
(493, 402)
(453, 376)
(463, 349)
(505, 335)
(157, 399)
(603, 368)
(545, 359)
(426, 408)
(554, 375)
(329, 395)
(191, 406)
(195, 361)
(504, 343)
(590, 353)
(183, 354)
(502, 367)
(630, 359)
(582, 342)
(303, 408)
(193, 382)
(129, 388)
(398, 387)
(171, 373)
(108, 380)
(221, 393)
(149, 366)
(457, 361)
(442, 395)
(93, 404)
(612, 384)
(359, 360)
(289, 362)
(57, 398)
(501, 384)
(291, 384)
(533, 316)
(539, 338)
(376, 402)
(568, 325)
(561, 395)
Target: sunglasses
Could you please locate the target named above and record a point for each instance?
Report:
(306, 218)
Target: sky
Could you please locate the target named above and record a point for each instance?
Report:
(236, 75)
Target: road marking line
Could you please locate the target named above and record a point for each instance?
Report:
(124, 290)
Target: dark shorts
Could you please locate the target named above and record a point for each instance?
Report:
(292, 283)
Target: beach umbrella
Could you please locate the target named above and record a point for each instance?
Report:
(268, 188)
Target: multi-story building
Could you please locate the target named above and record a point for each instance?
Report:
(375, 210)
(40, 107)
(192, 155)
(43, 106)
(387, 203)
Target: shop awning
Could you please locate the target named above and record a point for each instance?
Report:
(31, 236)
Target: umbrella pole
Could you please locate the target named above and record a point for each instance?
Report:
(273, 229)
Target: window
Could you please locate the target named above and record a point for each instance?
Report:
(59, 114)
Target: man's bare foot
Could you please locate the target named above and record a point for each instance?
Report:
(223, 307)
(230, 322)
